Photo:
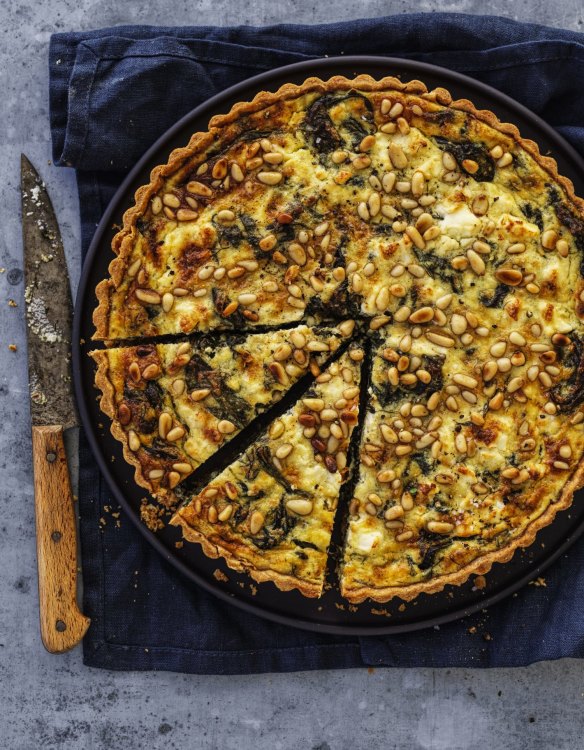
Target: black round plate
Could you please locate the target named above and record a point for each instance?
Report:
(330, 614)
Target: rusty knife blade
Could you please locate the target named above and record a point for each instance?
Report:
(48, 306)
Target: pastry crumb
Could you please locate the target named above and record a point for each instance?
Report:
(169, 501)
(539, 582)
(150, 515)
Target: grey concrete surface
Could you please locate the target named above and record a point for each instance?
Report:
(54, 701)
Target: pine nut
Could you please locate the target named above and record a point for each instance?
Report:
(175, 434)
(458, 324)
(269, 178)
(515, 384)
(284, 450)
(439, 339)
(476, 262)
(134, 268)
(422, 315)
(418, 183)
(133, 441)
(516, 338)
(416, 237)
(388, 181)
(363, 211)
(509, 276)
(382, 299)
(391, 514)
(314, 404)
(449, 161)
(444, 301)
(256, 521)
(397, 156)
(150, 372)
(549, 238)
(490, 369)
(247, 299)
(480, 205)
(300, 506)
(563, 248)
(226, 427)
(367, 143)
(440, 527)
(465, 380)
(505, 160)
(198, 188)
(148, 296)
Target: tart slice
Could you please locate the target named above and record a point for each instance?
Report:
(174, 405)
(215, 251)
(460, 464)
(271, 512)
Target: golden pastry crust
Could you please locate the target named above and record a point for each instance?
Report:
(422, 198)
(229, 552)
(107, 404)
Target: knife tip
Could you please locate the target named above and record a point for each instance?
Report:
(27, 168)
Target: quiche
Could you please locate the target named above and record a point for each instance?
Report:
(271, 511)
(364, 226)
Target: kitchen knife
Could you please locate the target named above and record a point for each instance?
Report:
(48, 318)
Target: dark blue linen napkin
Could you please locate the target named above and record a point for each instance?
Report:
(112, 93)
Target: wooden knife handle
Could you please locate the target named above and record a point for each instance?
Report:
(62, 624)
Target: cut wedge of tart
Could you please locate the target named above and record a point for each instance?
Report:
(271, 511)
(174, 405)
(456, 471)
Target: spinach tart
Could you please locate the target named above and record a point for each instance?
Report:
(373, 231)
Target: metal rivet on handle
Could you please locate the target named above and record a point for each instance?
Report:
(56, 536)
(60, 626)
(51, 457)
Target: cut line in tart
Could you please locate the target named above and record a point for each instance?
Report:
(377, 209)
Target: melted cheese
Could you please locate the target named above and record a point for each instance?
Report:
(457, 220)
